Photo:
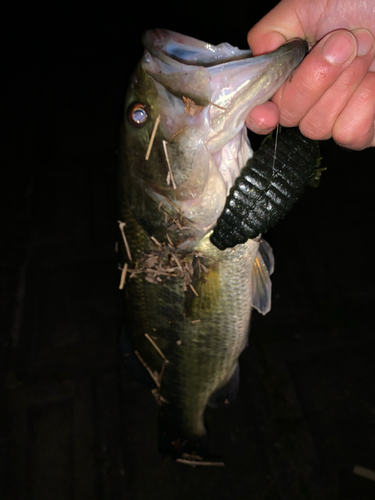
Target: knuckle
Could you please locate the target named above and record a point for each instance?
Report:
(315, 126)
(350, 137)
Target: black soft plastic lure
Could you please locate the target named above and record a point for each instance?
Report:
(268, 187)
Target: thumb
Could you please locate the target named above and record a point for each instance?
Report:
(275, 28)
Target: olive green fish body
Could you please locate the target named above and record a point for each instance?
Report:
(188, 304)
(200, 333)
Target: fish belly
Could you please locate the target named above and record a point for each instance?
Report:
(189, 338)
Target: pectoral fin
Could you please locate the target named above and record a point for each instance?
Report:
(261, 282)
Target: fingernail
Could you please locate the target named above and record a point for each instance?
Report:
(365, 41)
(372, 66)
(338, 47)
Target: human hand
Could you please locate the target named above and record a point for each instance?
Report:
(332, 92)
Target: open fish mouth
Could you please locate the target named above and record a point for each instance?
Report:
(224, 78)
(227, 81)
(187, 50)
(201, 95)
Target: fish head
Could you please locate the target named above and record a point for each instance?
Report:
(184, 136)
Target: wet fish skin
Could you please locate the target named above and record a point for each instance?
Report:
(193, 300)
(202, 342)
(206, 152)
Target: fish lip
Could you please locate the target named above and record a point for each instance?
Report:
(156, 42)
(179, 57)
(202, 53)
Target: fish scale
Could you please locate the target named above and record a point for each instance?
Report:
(192, 299)
(212, 334)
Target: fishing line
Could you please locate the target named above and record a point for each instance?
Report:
(276, 138)
(275, 149)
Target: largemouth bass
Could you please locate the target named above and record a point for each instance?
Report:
(188, 303)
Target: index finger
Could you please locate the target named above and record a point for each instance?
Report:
(275, 28)
(317, 73)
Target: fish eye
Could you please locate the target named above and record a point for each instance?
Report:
(138, 115)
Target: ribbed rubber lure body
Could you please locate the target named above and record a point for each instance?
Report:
(268, 186)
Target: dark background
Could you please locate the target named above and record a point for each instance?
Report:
(73, 426)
